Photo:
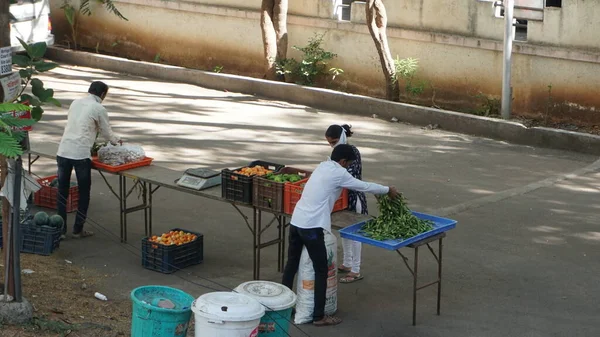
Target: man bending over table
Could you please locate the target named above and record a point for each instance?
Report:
(86, 118)
(312, 216)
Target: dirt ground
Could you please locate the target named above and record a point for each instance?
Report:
(62, 295)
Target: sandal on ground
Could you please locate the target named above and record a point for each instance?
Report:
(344, 269)
(328, 321)
(83, 234)
(63, 237)
(351, 278)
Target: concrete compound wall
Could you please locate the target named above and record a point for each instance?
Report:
(458, 44)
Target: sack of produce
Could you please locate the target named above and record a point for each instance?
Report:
(305, 285)
(120, 154)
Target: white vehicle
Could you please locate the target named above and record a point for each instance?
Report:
(30, 21)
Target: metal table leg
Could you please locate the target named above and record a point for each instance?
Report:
(258, 231)
(258, 244)
(255, 231)
(150, 193)
(414, 270)
(30, 162)
(279, 244)
(439, 294)
(415, 282)
(124, 208)
(145, 199)
(121, 206)
(283, 239)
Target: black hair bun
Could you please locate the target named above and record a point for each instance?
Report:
(348, 129)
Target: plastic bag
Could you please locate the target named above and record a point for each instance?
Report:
(305, 285)
(119, 155)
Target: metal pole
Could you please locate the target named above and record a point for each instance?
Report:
(509, 6)
(8, 255)
(16, 228)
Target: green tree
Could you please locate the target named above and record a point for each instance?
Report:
(11, 137)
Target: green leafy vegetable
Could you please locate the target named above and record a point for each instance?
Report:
(282, 178)
(395, 221)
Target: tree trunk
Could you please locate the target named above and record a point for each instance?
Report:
(4, 22)
(5, 42)
(377, 23)
(280, 22)
(6, 218)
(273, 24)
(4, 33)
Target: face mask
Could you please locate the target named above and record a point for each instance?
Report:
(343, 138)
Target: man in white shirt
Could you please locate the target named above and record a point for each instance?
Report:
(312, 216)
(87, 117)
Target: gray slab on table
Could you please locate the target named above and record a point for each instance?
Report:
(166, 177)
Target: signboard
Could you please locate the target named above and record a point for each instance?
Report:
(5, 61)
(11, 86)
(23, 115)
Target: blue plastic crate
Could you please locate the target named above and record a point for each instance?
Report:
(25, 217)
(41, 240)
(440, 225)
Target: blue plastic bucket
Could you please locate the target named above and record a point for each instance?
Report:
(150, 320)
(278, 301)
(275, 323)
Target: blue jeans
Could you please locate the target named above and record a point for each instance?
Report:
(83, 171)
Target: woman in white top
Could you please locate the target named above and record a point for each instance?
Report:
(357, 202)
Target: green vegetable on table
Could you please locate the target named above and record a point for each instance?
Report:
(395, 221)
(282, 178)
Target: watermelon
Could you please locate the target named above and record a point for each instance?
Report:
(41, 219)
(56, 221)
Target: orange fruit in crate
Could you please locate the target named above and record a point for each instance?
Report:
(250, 171)
(173, 238)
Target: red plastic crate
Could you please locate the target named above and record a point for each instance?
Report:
(114, 169)
(293, 191)
(47, 196)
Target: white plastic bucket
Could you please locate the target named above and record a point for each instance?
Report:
(278, 301)
(226, 314)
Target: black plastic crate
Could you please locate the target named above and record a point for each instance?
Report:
(238, 187)
(41, 240)
(169, 259)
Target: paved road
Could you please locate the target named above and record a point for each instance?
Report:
(523, 260)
